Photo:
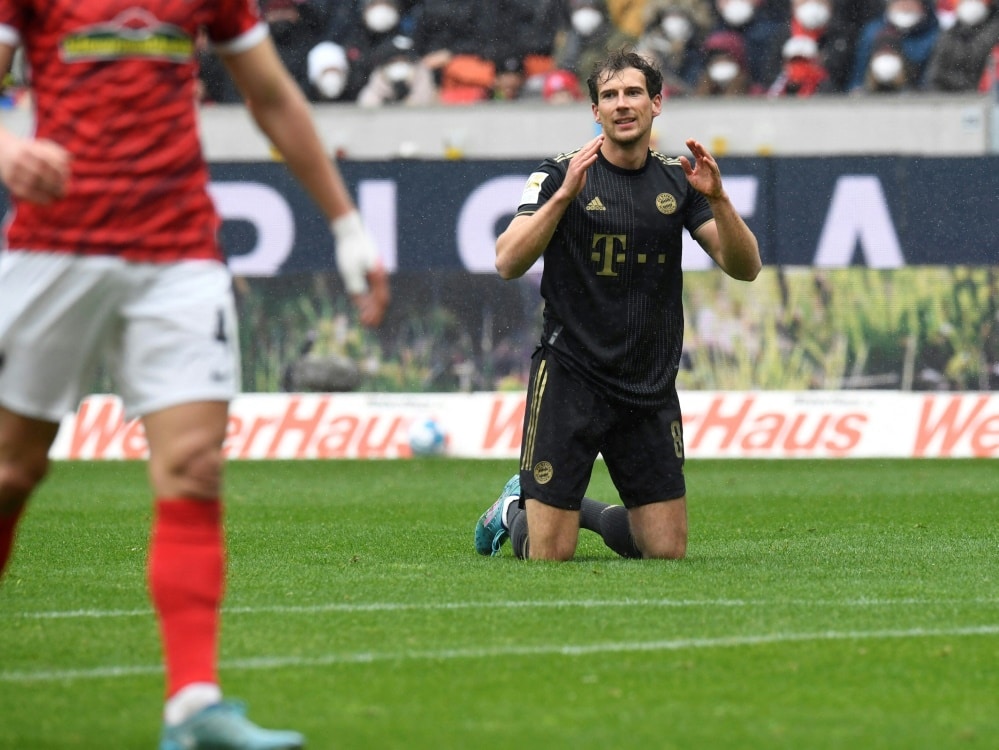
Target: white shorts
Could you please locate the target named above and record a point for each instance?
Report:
(166, 332)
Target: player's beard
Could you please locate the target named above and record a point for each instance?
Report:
(626, 140)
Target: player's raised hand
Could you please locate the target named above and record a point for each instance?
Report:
(575, 176)
(34, 170)
(704, 175)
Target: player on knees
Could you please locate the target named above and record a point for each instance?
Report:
(112, 251)
(608, 219)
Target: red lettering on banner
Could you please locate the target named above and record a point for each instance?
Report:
(793, 443)
(988, 428)
(509, 426)
(713, 419)
(335, 442)
(232, 429)
(133, 441)
(950, 428)
(258, 424)
(770, 426)
(787, 433)
(291, 422)
(845, 429)
(103, 428)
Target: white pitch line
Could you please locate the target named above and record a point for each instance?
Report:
(679, 644)
(312, 609)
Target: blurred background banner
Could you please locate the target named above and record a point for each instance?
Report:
(881, 272)
(830, 212)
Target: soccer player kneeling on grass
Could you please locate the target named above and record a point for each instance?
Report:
(609, 220)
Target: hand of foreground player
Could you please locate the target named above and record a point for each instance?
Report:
(371, 305)
(704, 176)
(360, 268)
(34, 170)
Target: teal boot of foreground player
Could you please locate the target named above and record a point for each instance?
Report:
(224, 726)
(490, 533)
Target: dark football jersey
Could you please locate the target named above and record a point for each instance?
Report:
(114, 84)
(612, 281)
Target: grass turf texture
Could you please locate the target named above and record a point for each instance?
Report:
(824, 604)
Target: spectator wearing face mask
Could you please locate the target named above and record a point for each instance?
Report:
(398, 76)
(296, 26)
(962, 53)
(887, 71)
(328, 72)
(725, 70)
(588, 38)
(673, 36)
(834, 34)
(803, 74)
(761, 36)
(360, 29)
(915, 24)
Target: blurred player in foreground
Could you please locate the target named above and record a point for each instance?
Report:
(608, 219)
(111, 250)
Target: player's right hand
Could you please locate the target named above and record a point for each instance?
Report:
(36, 171)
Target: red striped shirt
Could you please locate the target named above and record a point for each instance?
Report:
(114, 84)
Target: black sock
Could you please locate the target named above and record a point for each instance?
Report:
(611, 522)
(589, 514)
(518, 531)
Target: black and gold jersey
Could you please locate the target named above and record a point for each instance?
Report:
(612, 281)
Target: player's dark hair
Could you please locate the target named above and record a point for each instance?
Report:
(619, 60)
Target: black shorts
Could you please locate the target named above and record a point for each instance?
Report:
(566, 424)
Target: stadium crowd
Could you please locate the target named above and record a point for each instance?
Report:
(420, 52)
(423, 52)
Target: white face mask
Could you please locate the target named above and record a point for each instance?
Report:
(677, 28)
(971, 12)
(723, 71)
(587, 20)
(737, 12)
(381, 18)
(886, 67)
(800, 46)
(812, 14)
(904, 19)
(331, 83)
(399, 71)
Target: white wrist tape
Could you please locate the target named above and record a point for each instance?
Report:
(356, 253)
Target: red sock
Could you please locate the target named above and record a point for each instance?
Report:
(8, 525)
(186, 579)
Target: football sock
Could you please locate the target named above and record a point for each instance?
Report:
(8, 527)
(518, 532)
(611, 522)
(186, 580)
(189, 700)
(589, 514)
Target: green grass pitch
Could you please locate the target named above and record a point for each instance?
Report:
(824, 604)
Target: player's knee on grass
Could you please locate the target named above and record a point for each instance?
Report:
(660, 529)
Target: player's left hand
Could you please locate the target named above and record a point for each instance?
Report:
(704, 175)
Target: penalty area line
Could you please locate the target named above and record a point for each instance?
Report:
(510, 651)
